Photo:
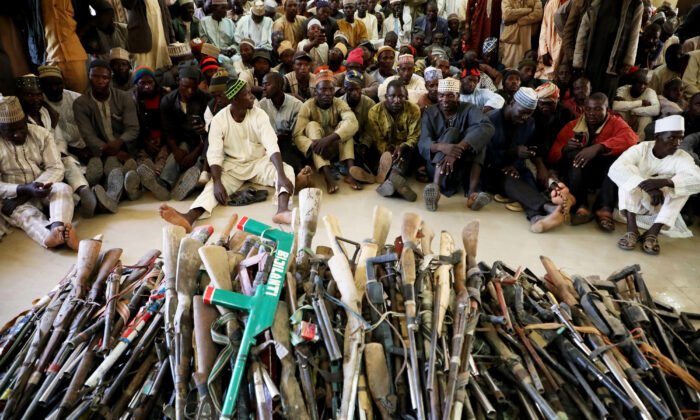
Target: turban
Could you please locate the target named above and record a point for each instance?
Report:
(547, 91)
(325, 75)
(355, 56)
(28, 82)
(432, 73)
(384, 49)
(118, 54)
(340, 46)
(670, 123)
(141, 71)
(189, 72)
(313, 22)
(48, 71)
(10, 110)
(218, 81)
(178, 49)
(352, 77)
(208, 63)
(258, 8)
(211, 50)
(526, 97)
(99, 63)
(233, 87)
(448, 85)
(284, 46)
(490, 45)
(406, 59)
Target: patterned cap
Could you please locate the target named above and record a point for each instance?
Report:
(324, 75)
(218, 81)
(118, 54)
(406, 59)
(10, 110)
(448, 85)
(258, 8)
(526, 97)
(49, 71)
(547, 91)
(349, 2)
(178, 49)
(432, 73)
(28, 82)
(211, 50)
(343, 49)
(394, 1)
(353, 77)
(490, 45)
(208, 63)
(141, 71)
(233, 87)
(284, 46)
(355, 56)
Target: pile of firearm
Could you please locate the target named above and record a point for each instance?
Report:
(259, 324)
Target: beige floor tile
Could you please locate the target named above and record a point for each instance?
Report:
(28, 271)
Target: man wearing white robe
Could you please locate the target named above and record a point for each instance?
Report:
(655, 179)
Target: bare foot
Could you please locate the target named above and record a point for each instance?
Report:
(71, 237)
(331, 186)
(352, 182)
(174, 217)
(554, 219)
(562, 195)
(304, 178)
(283, 217)
(55, 238)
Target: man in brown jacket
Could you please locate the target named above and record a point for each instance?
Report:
(520, 20)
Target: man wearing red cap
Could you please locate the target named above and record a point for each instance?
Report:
(355, 62)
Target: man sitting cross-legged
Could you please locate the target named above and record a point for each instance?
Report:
(242, 147)
(654, 180)
(30, 175)
(325, 129)
(394, 126)
(453, 143)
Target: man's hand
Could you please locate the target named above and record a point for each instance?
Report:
(284, 182)
(153, 145)
(284, 136)
(652, 184)
(220, 192)
(511, 171)
(547, 60)
(179, 155)
(586, 155)
(657, 197)
(190, 159)
(572, 144)
(83, 154)
(447, 165)
(322, 147)
(525, 153)
(112, 148)
(453, 150)
(320, 39)
(645, 102)
(34, 190)
(199, 129)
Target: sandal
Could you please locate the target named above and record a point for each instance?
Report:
(247, 196)
(628, 241)
(605, 220)
(581, 216)
(477, 201)
(650, 244)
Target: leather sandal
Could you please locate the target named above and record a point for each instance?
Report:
(628, 241)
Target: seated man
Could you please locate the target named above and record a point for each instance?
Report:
(654, 180)
(386, 57)
(394, 126)
(505, 169)
(255, 26)
(217, 89)
(107, 120)
(432, 77)
(453, 143)
(217, 29)
(365, 152)
(301, 83)
(637, 104)
(584, 150)
(242, 148)
(31, 98)
(29, 185)
(282, 109)
(325, 129)
(121, 69)
(415, 85)
(580, 92)
(355, 63)
(550, 117)
(254, 76)
(511, 84)
(315, 44)
(180, 55)
(483, 99)
(182, 116)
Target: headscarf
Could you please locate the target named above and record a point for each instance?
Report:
(490, 45)
(548, 91)
(352, 77)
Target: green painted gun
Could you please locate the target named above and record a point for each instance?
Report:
(261, 306)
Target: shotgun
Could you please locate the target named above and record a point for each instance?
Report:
(204, 317)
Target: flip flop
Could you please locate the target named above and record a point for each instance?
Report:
(605, 221)
(515, 206)
(401, 187)
(502, 199)
(477, 201)
(247, 196)
(362, 176)
(650, 244)
(581, 217)
(628, 241)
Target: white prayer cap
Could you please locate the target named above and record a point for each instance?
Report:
(313, 22)
(526, 97)
(448, 85)
(670, 123)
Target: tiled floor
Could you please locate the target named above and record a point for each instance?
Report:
(28, 271)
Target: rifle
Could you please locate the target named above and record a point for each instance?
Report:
(379, 380)
(172, 235)
(204, 317)
(460, 325)
(309, 207)
(260, 306)
(136, 381)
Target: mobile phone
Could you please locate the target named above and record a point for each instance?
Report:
(579, 136)
(195, 120)
(47, 186)
(532, 149)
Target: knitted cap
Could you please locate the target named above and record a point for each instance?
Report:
(218, 81)
(355, 56)
(141, 71)
(208, 63)
(448, 85)
(340, 34)
(211, 50)
(452, 16)
(178, 49)
(526, 97)
(10, 110)
(28, 82)
(190, 72)
(313, 22)
(221, 2)
(247, 41)
(118, 54)
(48, 71)
(384, 49)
